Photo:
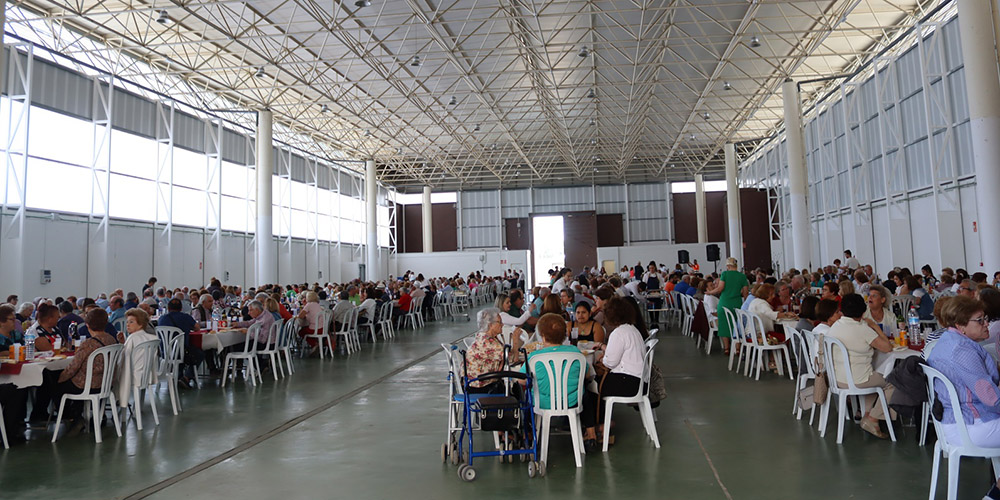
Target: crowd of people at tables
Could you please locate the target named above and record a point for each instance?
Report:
(70, 323)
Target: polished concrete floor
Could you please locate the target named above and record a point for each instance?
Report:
(370, 426)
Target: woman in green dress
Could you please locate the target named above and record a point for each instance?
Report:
(732, 287)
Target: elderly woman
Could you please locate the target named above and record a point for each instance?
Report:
(879, 316)
(732, 288)
(958, 355)
(620, 368)
(312, 317)
(137, 331)
(762, 308)
(485, 355)
(861, 342)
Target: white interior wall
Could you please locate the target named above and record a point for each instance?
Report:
(665, 253)
(135, 251)
(490, 262)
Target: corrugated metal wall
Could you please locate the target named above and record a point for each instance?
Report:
(649, 217)
(903, 131)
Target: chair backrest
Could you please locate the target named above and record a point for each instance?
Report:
(745, 324)
(288, 334)
(345, 326)
(167, 335)
(647, 367)
(811, 342)
(249, 343)
(110, 354)
(936, 379)
(324, 322)
(454, 375)
(734, 326)
(901, 304)
(800, 349)
(652, 334)
(831, 345)
(119, 324)
(144, 354)
(557, 367)
(274, 336)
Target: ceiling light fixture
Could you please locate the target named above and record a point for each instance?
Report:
(260, 72)
(415, 62)
(705, 115)
(593, 141)
(368, 133)
(324, 109)
(584, 52)
(399, 151)
(693, 137)
(591, 94)
(593, 122)
(163, 17)
(727, 86)
(453, 101)
(476, 129)
(755, 42)
(362, 3)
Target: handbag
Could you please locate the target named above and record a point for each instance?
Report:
(821, 387)
(499, 413)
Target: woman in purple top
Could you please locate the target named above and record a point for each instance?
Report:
(958, 355)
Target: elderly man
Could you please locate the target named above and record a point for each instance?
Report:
(131, 301)
(66, 318)
(342, 310)
(259, 316)
(117, 310)
(967, 288)
(203, 312)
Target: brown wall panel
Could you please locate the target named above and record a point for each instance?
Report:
(580, 244)
(445, 223)
(518, 233)
(756, 229)
(686, 218)
(610, 230)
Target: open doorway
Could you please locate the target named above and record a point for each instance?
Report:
(549, 250)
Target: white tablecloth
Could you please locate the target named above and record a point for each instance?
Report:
(221, 340)
(884, 362)
(31, 373)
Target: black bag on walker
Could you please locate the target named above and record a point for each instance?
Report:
(499, 413)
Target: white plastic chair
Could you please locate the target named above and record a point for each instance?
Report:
(287, 339)
(3, 429)
(385, 321)
(735, 338)
(322, 334)
(349, 333)
(371, 324)
(831, 344)
(146, 354)
(901, 303)
(271, 348)
(641, 398)
(110, 356)
(413, 315)
(803, 351)
(954, 451)
(119, 324)
(248, 356)
(758, 342)
(172, 346)
(557, 367)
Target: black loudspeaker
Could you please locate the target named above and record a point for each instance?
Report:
(713, 252)
(683, 257)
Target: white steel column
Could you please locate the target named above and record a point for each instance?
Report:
(426, 218)
(267, 269)
(797, 180)
(699, 208)
(371, 204)
(733, 204)
(981, 82)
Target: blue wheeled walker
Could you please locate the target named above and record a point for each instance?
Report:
(510, 415)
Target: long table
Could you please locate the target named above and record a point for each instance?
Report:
(206, 340)
(30, 374)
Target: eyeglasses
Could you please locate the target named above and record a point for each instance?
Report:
(982, 320)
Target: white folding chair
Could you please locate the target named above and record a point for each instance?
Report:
(322, 334)
(758, 342)
(172, 346)
(371, 324)
(346, 333)
(557, 367)
(285, 344)
(954, 451)
(385, 321)
(735, 338)
(641, 398)
(272, 347)
(803, 351)
(119, 324)
(831, 345)
(248, 356)
(109, 355)
(146, 355)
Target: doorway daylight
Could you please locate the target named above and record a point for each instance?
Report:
(548, 237)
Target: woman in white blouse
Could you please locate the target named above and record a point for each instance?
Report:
(620, 369)
(878, 316)
(763, 309)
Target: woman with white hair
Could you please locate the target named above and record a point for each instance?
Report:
(485, 355)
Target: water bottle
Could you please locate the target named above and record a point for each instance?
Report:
(29, 341)
(913, 324)
(216, 315)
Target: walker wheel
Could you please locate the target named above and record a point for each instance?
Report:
(541, 469)
(532, 469)
(467, 474)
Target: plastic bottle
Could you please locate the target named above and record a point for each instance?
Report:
(913, 324)
(29, 342)
(216, 315)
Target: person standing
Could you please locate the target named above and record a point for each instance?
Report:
(732, 287)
